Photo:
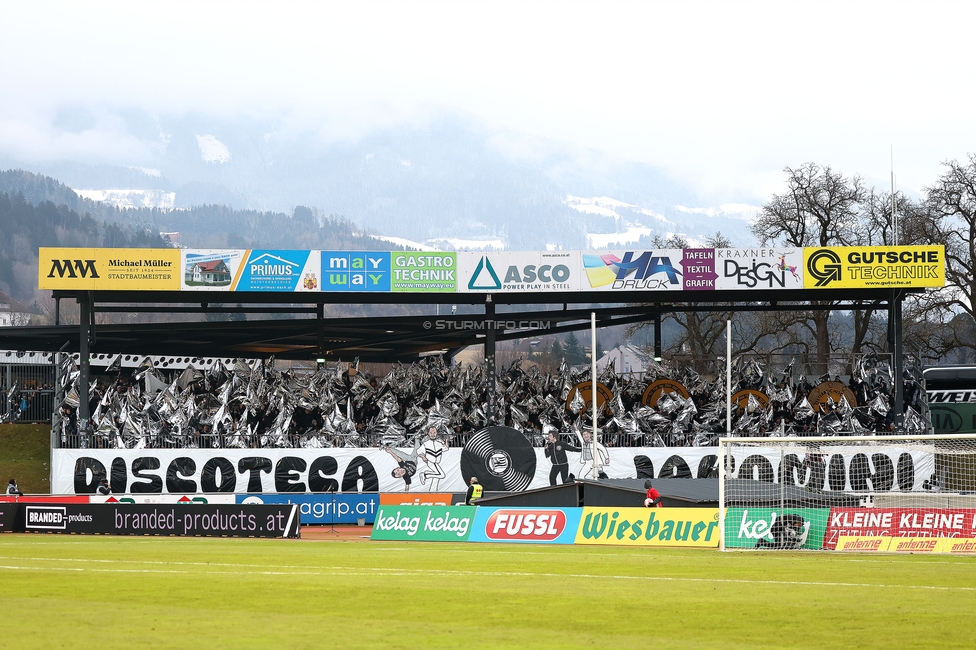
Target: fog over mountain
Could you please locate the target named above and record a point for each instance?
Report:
(448, 183)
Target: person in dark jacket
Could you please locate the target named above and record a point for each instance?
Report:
(13, 490)
(556, 453)
(104, 488)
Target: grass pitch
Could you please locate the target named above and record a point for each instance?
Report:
(114, 592)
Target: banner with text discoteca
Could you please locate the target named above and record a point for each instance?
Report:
(501, 463)
(622, 270)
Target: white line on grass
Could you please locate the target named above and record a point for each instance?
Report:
(372, 571)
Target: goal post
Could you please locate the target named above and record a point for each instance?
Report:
(847, 492)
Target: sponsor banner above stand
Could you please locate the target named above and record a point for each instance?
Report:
(759, 268)
(141, 519)
(331, 508)
(356, 271)
(865, 267)
(690, 269)
(649, 527)
(526, 525)
(424, 272)
(764, 527)
(654, 270)
(899, 522)
(518, 272)
(424, 523)
(109, 269)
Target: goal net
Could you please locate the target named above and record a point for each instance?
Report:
(887, 493)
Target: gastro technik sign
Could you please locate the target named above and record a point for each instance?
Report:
(689, 269)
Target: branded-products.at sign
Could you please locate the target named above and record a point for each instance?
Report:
(899, 522)
(513, 272)
(434, 272)
(657, 270)
(280, 270)
(356, 271)
(203, 520)
(864, 267)
(109, 269)
(526, 525)
(649, 527)
(332, 508)
(416, 499)
(45, 517)
(424, 523)
(745, 527)
(759, 268)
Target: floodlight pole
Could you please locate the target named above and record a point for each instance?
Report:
(594, 394)
(728, 377)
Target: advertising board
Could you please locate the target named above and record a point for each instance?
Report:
(280, 270)
(8, 516)
(649, 527)
(745, 527)
(517, 272)
(144, 519)
(416, 499)
(367, 271)
(186, 499)
(526, 525)
(899, 522)
(424, 523)
(422, 272)
(949, 545)
(331, 508)
(640, 270)
(864, 267)
(109, 269)
(759, 268)
(211, 269)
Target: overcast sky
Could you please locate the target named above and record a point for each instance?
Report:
(722, 94)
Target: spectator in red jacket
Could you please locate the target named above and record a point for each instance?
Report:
(653, 499)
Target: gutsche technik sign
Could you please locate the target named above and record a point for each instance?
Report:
(620, 270)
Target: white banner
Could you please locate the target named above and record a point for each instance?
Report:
(517, 272)
(194, 471)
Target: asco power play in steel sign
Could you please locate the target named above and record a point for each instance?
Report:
(525, 525)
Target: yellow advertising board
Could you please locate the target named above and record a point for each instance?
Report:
(109, 269)
(649, 527)
(953, 545)
(873, 267)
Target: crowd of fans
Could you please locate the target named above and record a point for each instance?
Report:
(254, 405)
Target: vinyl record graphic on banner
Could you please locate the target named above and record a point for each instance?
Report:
(657, 388)
(833, 390)
(741, 399)
(501, 458)
(585, 390)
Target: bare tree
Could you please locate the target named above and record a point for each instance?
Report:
(821, 207)
(952, 205)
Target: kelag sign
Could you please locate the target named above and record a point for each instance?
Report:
(424, 523)
(333, 508)
(179, 520)
(744, 527)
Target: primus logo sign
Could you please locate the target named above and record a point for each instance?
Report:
(500, 272)
(272, 270)
(629, 270)
(46, 517)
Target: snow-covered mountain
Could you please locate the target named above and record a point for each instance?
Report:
(447, 184)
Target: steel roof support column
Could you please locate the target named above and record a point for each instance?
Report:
(85, 305)
(490, 358)
(657, 336)
(897, 362)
